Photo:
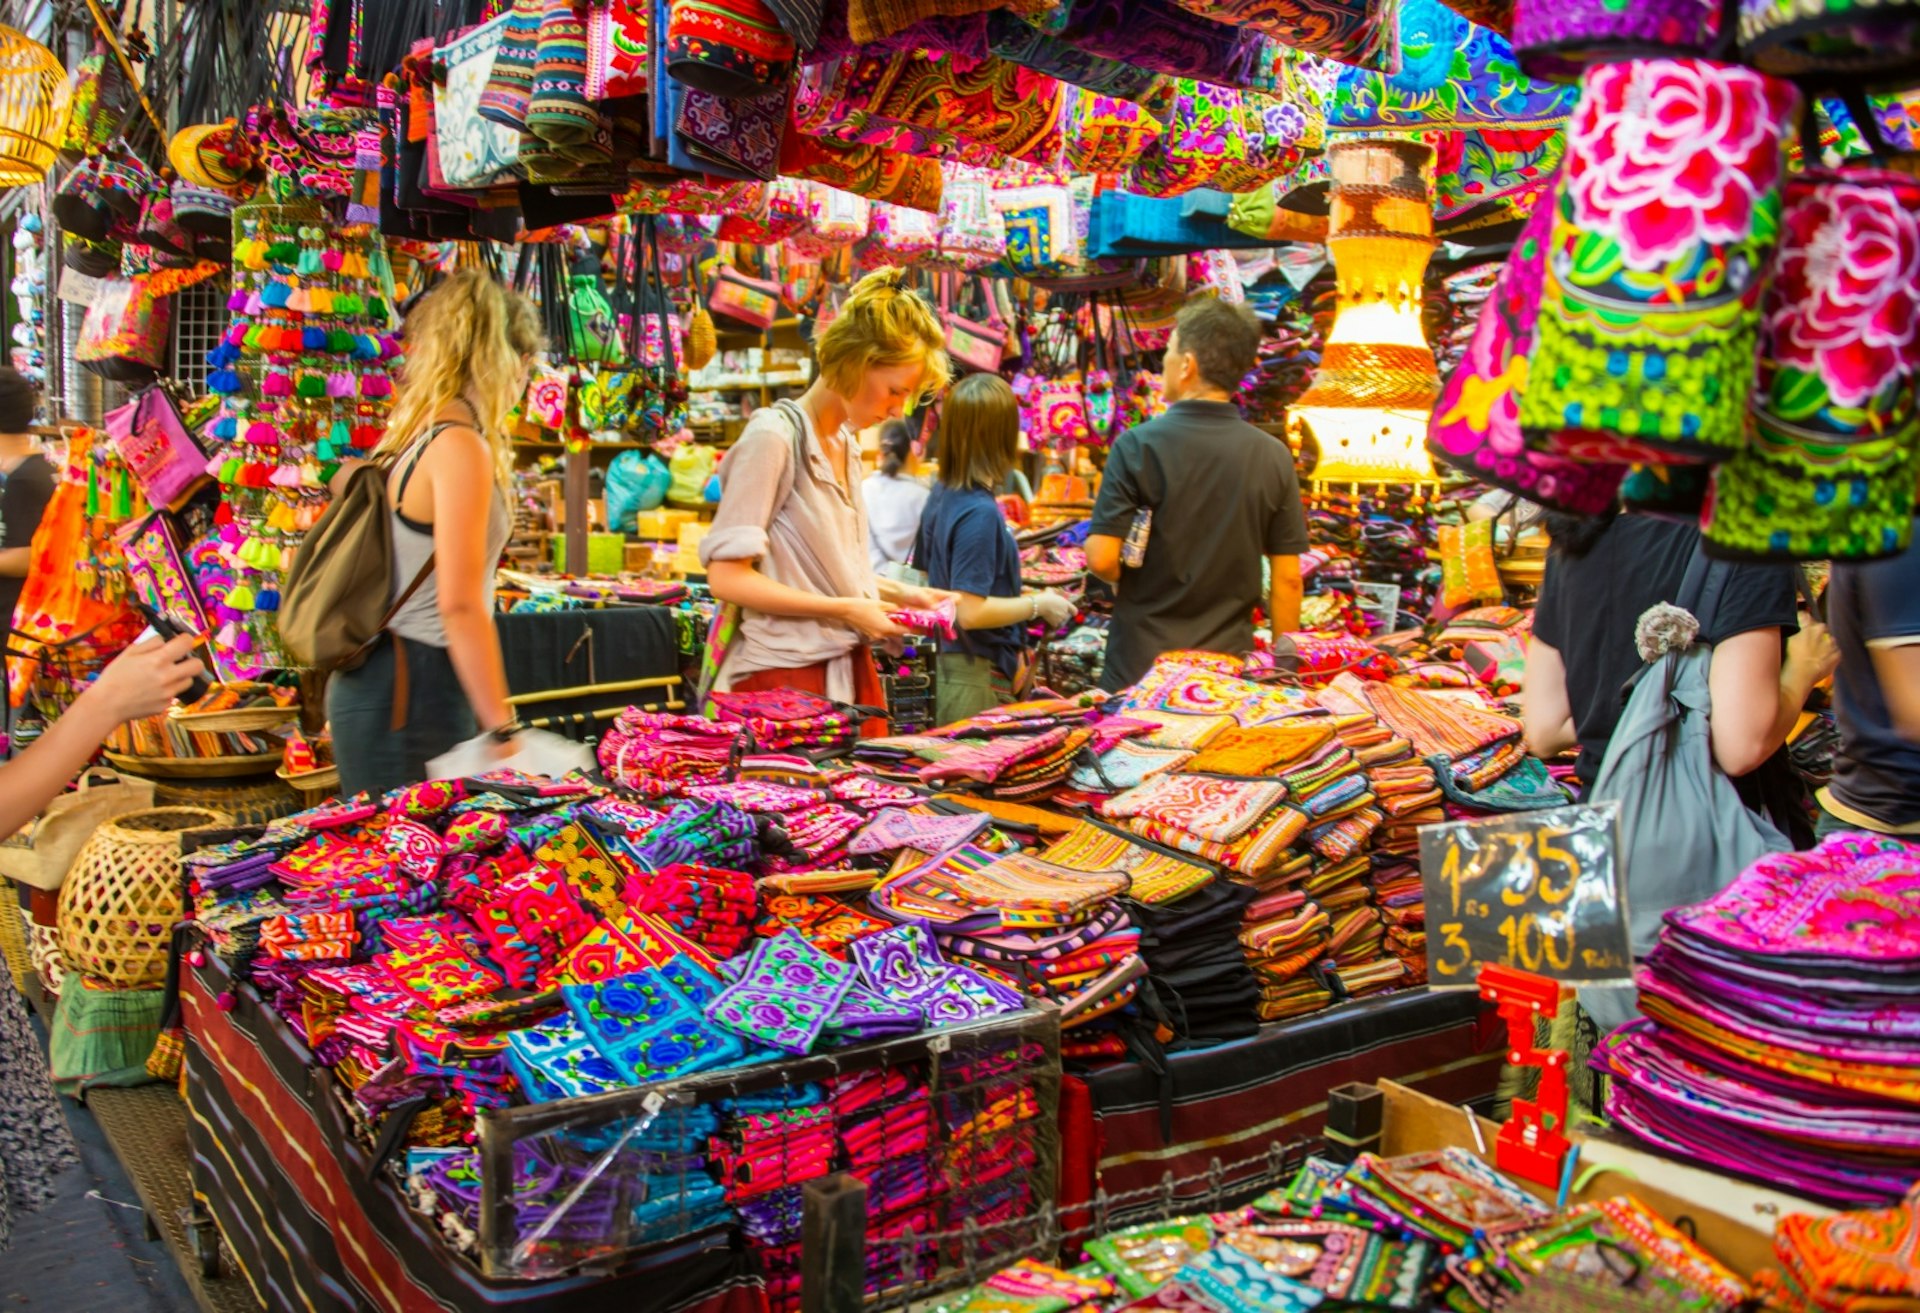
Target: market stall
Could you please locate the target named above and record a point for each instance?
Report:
(1070, 980)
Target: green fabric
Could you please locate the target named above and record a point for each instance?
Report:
(1573, 1031)
(964, 687)
(103, 1037)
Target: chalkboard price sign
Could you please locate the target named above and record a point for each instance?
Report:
(1540, 891)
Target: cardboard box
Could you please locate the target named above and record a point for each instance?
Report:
(664, 524)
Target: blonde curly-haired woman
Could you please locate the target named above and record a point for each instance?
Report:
(436, 677)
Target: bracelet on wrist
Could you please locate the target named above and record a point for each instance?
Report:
(506, 733)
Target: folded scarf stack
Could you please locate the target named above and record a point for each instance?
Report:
(1782, 1031)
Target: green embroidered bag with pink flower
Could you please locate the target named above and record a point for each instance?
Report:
(1827, 472)
(1666, 215)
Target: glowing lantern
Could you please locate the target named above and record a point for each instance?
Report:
(1368, 407)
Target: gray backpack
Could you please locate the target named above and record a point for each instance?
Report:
(1684, 832)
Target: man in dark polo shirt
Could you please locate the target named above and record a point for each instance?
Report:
(1223, 496)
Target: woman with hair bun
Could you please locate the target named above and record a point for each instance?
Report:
(788, 544)
(894, 499)
(436, 677)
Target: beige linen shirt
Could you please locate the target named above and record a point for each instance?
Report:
(815, 540)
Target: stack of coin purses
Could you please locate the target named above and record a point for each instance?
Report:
(1619, 1255)
(1045, 928)
(1860, 1260)
(1244, 824)
(1454, 1199)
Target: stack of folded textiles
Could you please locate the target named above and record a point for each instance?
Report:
(1397, 894)
(1782, 1026)
(1408, 797)
(1189, 931)
(814, 827)
(1853, 1261)
(779, 720)
(654, 754)
(1026, 922)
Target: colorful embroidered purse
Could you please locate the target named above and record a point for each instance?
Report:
(835, 219)
(898, 236)
(161, 455)
(1829, 39)
(750, 301)
(973, 233)
(473, 152)
(1357, 32)
(1828, 468)
(1476, 422)
(1105, 134)
(546, 402)
(1650, 319)
(732, 48)
(124, 334)
(1559, 38)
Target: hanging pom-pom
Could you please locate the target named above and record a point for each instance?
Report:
(313, 339)
(223, 381)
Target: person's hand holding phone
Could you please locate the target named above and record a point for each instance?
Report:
(145, 679)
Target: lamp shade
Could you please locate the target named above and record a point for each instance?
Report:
(33, 108)
(1368, 406)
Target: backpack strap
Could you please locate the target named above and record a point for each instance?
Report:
(1702, 588)
(797, 418)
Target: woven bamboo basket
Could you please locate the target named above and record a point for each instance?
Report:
(313, 786)
(241, 720)
(250, 801)
(120, 901)
(194, 768)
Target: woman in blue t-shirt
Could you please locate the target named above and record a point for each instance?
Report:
(966, 547)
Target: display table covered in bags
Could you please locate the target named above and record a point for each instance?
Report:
(316, 1230)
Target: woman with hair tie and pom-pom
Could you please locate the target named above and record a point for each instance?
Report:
(436, 677)
(788, 544)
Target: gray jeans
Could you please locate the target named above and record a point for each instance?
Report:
(374, 757)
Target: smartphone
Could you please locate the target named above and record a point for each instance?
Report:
(160, 626)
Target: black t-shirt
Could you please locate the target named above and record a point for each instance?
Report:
(24, 495)
(965, 545)
(1589, 606)
(1872, 604)
(1224, 495)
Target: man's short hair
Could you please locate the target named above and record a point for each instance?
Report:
(1222, 337)
(19, 399)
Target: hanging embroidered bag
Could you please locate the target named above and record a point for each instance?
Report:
(1827, 472)
(473, 152)
(1476, 422)
(1644, 349)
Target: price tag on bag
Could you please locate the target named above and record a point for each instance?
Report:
(1541, 891)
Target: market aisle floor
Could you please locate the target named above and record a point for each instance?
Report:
(81, 1255)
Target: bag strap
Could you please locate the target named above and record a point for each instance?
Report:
(1702, 588)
